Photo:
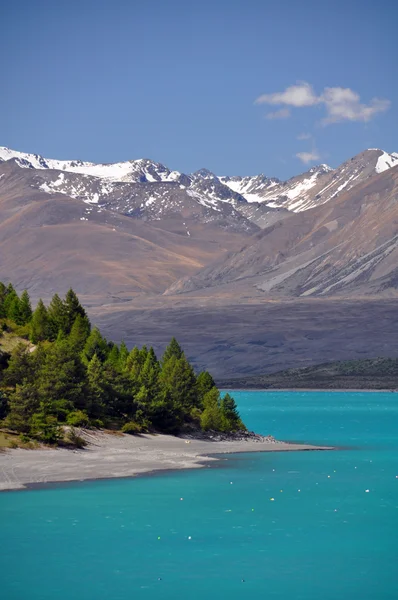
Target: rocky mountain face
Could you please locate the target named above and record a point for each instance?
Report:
(344, 244)
(50, 242)
(348, 246)
(317, 186)
(150, 191)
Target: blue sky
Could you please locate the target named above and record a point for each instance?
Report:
(178, 82)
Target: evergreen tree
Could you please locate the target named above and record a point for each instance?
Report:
(134, 365)
(119, 398)
(25, 309)
(61, 381)
(178, 381)
(123, 356)
(9, 294)
(79, 332)
(149, 376)
(57, 317)
(204, 384)
(13, 309)
(143, 396)
(73, 309)
(95, 344)
(230, 415)
(113, 356)
(20, 366)
(97, 387)
(39, 326)
(44, 426)
(24, 401)
(173, 349)
(211, 417)
(165, 415)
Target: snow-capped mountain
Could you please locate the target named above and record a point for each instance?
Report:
(317, 186)
(141, 170)
(149, 190)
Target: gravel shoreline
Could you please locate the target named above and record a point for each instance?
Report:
(115, 456)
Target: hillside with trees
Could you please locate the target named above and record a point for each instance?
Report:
(57, 372)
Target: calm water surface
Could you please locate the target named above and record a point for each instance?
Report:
(198, 534)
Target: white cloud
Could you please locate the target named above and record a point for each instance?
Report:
(283, 113)
(304, 136)
(308, 157)
(300, 94)
(341, 104)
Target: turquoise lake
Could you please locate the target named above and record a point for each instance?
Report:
(323, 537)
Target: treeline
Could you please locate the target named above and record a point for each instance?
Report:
(73, 376)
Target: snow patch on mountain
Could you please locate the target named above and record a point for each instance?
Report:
(141, 170)
(386, 161)
(147, 189)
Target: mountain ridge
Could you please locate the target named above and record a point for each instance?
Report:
(349, 246)
(301, 192)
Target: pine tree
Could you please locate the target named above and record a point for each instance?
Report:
(97, 387)
(24, 401)
(25, 308)
(134, 363)
(173, 349)
(61, 381)
(73, 309)
(13, 310)
(44, 426)
(39, 326)
(9, 296)
(211, 417)
(19, 366)
(57, 316)
(204, 383)
(113, 356)
(95, 344)
(79, 332)
(230, 415)
(178, 380)
(123, 356)
(149, 376)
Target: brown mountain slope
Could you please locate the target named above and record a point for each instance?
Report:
(51, 242)
(348, 246)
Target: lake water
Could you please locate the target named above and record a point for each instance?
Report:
(323, 537)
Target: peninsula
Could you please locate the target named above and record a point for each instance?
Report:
(75, 406)
(119, 455)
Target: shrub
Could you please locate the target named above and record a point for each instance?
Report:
(75, 439)
(132, 428)
(45, 428)
(78, 418)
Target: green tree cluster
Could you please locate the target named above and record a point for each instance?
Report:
(76, 377)
(17, 309)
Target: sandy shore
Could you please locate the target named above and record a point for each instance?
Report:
(109, 456)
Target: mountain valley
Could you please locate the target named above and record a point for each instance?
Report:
(256, 274)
